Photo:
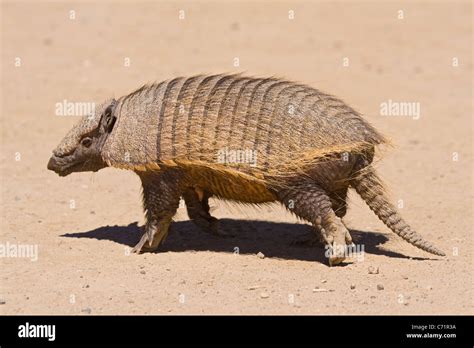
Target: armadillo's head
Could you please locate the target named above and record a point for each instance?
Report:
(80, 150)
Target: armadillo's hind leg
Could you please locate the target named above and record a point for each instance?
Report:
(161, 195)
(339, 205)
(310, 202)
(197, 205)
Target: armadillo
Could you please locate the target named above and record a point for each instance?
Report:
(189, 137)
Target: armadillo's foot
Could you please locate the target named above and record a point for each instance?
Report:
(206, 223)
(152, 238)
(143, 246)
(210, 224)
(197, 205)
(347, 236)
(337, 238)
(336, 254)
(311, 202)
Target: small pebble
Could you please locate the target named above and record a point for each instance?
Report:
(380, 287)
(2, 301)
(323, 281)
(260, 255)
(322, 290)
(373, 270)
(253, 287)
(264, 295)
(86, 310)
(142, 272)
(353, 286)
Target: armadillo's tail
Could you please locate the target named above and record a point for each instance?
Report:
(370, 188)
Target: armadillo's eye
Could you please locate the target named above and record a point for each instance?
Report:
(86, 142)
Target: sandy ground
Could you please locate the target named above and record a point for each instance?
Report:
(85, 224)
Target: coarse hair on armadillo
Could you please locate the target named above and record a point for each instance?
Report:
(188, 121)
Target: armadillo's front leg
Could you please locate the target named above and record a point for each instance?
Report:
(197, 205)
(161, 195)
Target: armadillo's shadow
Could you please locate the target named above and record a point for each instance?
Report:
(273, 239)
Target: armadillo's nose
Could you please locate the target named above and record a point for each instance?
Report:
(53, 164)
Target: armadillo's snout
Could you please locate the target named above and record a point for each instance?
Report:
(56, 165)
(53, 164)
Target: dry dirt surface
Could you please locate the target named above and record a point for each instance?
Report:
(83, 226)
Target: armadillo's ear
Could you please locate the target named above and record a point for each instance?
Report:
(108, 118)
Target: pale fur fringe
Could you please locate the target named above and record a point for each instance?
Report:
(276, 174)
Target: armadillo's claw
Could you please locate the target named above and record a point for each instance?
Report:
(138, 249)
(157, 237)
(143, 246)
(348, 238)
(337, 254)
